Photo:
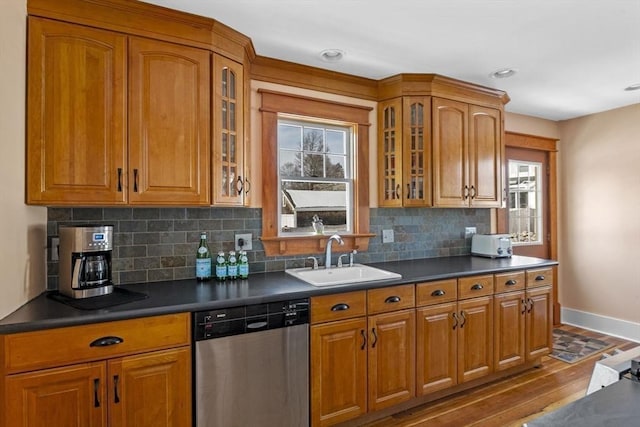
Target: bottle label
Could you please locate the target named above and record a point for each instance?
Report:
(202, 250)
(203, 268)
(243, 270)
(233, 271)
(221, 271)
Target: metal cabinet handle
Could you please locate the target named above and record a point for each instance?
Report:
(247, 186)
(438, 293)
(511, 282)
(340, 307)
(392, 299)
(96, 393)
(473, 188)
(119, 180)
(530, 305)
(375, 338)
(106, 341)
(477, 287)
(398, 191)
(464, 319)
(524, 306)
(465, 192)
(539, 278)
(116, 395)
(239, 185)
(135, 180)
(455, 320)
(364, 339)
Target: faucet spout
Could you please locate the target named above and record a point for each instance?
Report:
(327, 258)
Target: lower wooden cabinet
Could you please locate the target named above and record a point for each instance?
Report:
(475, 338)
(130, 373)
(539, 322)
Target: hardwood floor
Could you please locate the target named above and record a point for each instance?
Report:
(511, 401)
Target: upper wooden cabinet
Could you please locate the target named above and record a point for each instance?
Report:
(230, 183)
(404, 151)
(78, 149)
(169, 101)
(467, 155)
(76, 114)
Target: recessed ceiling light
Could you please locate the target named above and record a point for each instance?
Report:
(503, 73)
(633, 87)
(332, 55)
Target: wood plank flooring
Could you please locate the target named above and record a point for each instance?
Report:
(511, 401)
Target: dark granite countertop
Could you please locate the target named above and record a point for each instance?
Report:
(189, 295)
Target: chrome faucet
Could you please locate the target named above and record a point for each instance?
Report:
(327, 259)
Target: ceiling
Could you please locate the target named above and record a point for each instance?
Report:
(573, 57)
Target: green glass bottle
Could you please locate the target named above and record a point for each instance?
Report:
(221, 267)
(232, 266)
(243, 265)
(203, 260)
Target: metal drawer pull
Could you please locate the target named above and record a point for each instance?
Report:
(438, 293)
(135, 180)
(340, 307)
(539, 278)
(364, 339)
(392, 299)
(464, 319)
(455, 320)
(119, 180)
(477, 287)
(375, 337)
(116, 395)
(511, 282)
(106, 341)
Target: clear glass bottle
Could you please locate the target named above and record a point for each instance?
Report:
(203, 260)
(243, 265)
(221, 267)
(232, 266)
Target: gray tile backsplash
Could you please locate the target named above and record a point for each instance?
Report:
(157, 244)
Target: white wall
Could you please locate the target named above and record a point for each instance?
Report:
(600, 217)
(22, 228)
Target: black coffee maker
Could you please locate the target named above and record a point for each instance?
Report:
(85, 260)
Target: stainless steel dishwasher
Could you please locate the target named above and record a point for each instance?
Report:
(252, 365)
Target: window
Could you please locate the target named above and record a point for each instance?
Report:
(525, 202)
(315, 167)
(315, 177)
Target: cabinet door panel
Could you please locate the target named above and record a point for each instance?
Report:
(390, 153)
(169, 123)
(475, 338)
(391, 358)
(436, 348)
(485, 157)
(74, 396)
(151, 390)
(229, 181)
(450, 140)
(76, 134)
(509, 336)
(416, 165)
(539, 322)
(338, 371)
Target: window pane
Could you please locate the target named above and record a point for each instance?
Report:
(301, 201)
(336, 167)
(289, 137)
(313, 140)
(525, 202)
(336, 142)
(313, 165)
(290, 163)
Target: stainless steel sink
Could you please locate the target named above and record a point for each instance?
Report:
(342, 275)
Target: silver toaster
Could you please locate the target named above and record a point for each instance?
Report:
(491, 245)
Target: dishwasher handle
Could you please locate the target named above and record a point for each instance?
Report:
(257, 325)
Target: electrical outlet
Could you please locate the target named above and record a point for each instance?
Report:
(469, 231)
(246, 242)
(55, 245)
(387, 236)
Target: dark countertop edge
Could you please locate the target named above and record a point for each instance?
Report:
(412, 272)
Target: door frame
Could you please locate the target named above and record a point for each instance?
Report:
(548, 145)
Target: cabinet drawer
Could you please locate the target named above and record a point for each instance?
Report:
(56, 347)
(539, 277)
(436, 292)
(506, 282)
(327, 308)
(475, 286)
(390, 299)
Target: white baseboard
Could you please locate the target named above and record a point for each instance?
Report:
(603, 324)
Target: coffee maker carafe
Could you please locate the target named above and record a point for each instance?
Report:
(85, 260)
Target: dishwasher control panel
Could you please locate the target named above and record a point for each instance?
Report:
(224, 322)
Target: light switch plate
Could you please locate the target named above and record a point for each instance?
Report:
(387, 236)
(247, 245)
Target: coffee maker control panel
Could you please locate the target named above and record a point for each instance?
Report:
(99, 241)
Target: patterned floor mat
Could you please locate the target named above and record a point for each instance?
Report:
(571, 347)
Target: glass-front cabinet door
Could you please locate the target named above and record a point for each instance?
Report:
(390, 153)
(230, 185)
(417, 151)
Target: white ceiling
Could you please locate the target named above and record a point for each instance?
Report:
(574, 57)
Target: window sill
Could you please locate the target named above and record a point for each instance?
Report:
(316, 244)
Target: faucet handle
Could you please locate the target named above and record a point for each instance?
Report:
(351, 257)
(340, 260)
(315, 262)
